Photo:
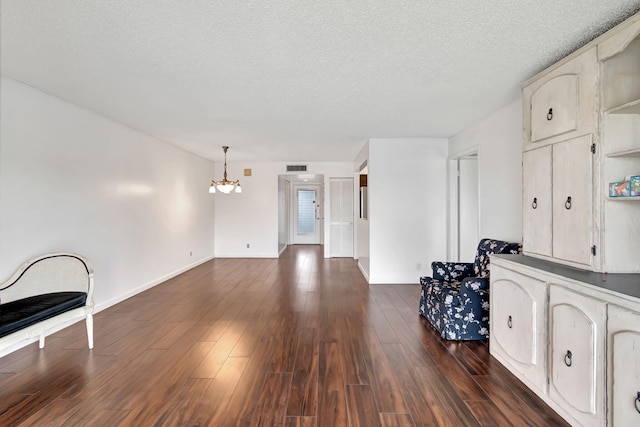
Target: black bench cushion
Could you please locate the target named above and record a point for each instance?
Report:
(19, 314)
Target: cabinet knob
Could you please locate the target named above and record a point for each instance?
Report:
(510, 322)
(550, 114)
(567, 204)
(568, 358)
(534, 204)
(637, 403)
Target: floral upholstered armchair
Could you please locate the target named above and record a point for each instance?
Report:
(456, 299)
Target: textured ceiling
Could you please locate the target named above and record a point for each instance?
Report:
(292, 80)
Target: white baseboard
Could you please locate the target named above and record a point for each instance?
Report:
(249, 256)
(282, 250)
(113, 301)
(364, 273)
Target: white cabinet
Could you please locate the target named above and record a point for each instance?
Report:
(554, 106)
(581, 131)
(557, 201)
(572, 197)
(571, 336)
(576, 354)
(560, 120)
(536, 201)
(518, 304)
(589, 99)
(623, 327)
(561, 103)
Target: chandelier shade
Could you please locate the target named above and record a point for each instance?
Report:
(225, 185)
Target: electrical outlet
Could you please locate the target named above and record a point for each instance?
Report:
(419, 266)
(248, 246)
(190, 253)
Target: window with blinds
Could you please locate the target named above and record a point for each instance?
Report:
(306, 212)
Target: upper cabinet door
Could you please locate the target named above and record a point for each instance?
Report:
(572, 200)
(536, 201)
(561, 103)
(554, 107)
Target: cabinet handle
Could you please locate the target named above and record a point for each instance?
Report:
(638, 402)
(550, 114)
(534, 204)
(567, 204)
(510, 323)
(568, 358)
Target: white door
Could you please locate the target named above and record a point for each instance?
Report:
(306, 217)
(341, 210)
(468, 208)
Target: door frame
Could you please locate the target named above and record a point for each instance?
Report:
(453, 244)
(318, 188)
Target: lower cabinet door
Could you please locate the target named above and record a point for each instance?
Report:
(624, 367)
(517, 322)
(576, 354)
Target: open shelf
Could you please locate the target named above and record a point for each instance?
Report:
(632, 107)
(634, 152)
(624, 199)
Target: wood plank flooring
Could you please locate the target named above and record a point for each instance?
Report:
(298, 341)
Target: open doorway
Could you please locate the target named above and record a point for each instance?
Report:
(301, 210)
(464, 206)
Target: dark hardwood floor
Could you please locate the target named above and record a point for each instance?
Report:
(300, 341)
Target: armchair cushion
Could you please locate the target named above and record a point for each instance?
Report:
(456, 299)
(449, 271)
(487, 247)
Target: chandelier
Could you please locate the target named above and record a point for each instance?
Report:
(225, 186)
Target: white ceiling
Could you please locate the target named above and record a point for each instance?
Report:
(292, 80)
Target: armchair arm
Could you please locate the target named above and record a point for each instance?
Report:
(451, 271)
(474, 295)
(474, 284)
(474, 312)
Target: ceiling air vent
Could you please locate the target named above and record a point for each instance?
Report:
(296, 168)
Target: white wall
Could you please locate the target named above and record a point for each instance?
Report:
(71, 180)
(499, 138)
(407, 179)
(283, 229)
(252, 216)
